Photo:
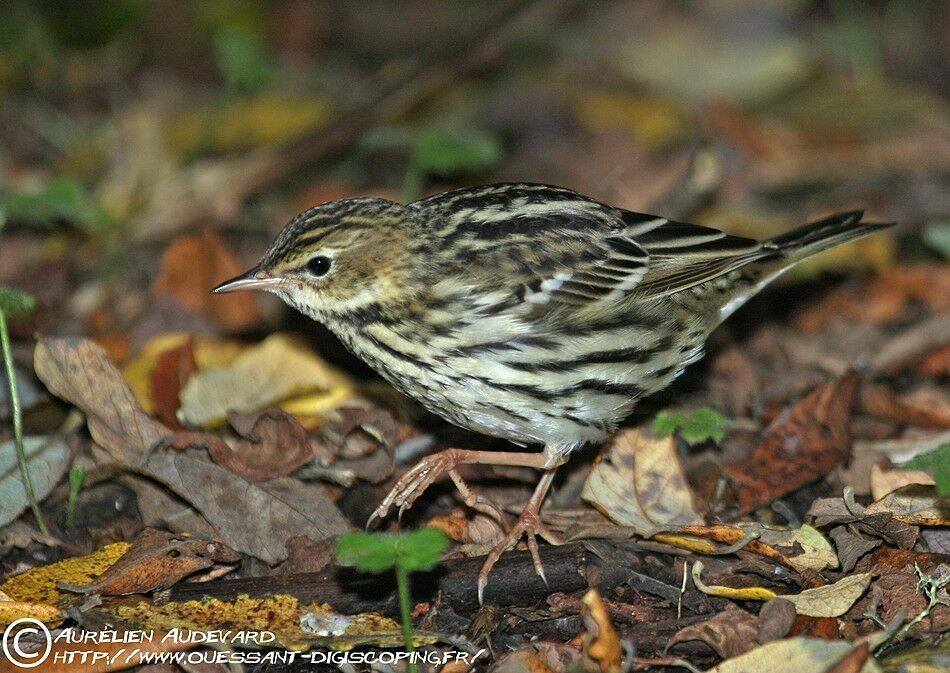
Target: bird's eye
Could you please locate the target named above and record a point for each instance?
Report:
(319, 266)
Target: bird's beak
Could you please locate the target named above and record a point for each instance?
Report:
(253, 279)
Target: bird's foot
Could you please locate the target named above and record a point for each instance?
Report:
(414, 483)
(529, 526)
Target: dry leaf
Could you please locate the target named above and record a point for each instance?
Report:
(802, 446)
(640, 483)
(601, 643)
(281, 507)
(915, 505)
(887, 480)
(730, 633)
(195, 263)
(80, 372)
(832, 600)
(792, 655)
(274, 444)
(276, 370)
(47, 460)
(816, 552)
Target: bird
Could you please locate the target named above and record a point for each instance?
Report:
(522, 311)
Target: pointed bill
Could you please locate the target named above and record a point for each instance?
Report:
(253, 279)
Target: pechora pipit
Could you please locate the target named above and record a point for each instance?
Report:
(522, 311)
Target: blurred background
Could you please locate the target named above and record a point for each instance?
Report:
(149, 149)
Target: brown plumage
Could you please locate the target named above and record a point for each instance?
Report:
(522, 311)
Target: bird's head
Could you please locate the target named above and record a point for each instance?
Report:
(338, 258)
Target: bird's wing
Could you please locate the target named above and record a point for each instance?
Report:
(683, 255)
(558, 247)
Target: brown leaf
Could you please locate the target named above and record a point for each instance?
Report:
(800, 447)
(775, 620)
(171, 372)
(274, 445)
(851, 546)
(281, 507)
(640, 483)
(80, 372)
(852, 662)
(729, 634)
(157, 560)
(925, 408)
(193, 264)
(827, 511)
(306, 555)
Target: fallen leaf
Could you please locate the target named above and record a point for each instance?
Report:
(640, 483)
(207, 353)
(156, 560)
(274, 444)
(926, 408)
(851, 546)
(886, 480)
(832, 600)
(883, 524)
(791, 655)
(276, 370)
(775, 620)
(601, 643)
(279, 614)
(79, 371)
(195, 263)
(816, 552)
(172, 370)
(525, 660)
(47, 460)
(915, 505)
(282, 507)
(803, 445)
(732, 593)
(852, 662)
(730, 633)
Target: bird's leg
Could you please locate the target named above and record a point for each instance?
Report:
(414, 482)
(529, 524)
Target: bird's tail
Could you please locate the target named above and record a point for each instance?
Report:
(794, 246)
(821, 235)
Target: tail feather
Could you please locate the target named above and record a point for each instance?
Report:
(823, 234)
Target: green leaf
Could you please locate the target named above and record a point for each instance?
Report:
(376, 552)
(242, 58)
(694, 427)
(372, 552)
(937, 463)
(421, 549)
(13, 300)
(937, 237)
(62, 199)
(447, 153)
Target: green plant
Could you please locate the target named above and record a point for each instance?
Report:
(694, 427)
(76, 477)
(403, 553)
(14, 301)
(937, 463)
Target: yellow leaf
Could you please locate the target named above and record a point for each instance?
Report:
(744, 594)
(655, 121)
(601, 642)
(243, 124)
(277, 370)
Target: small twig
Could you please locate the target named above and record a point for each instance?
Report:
(18, 423)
